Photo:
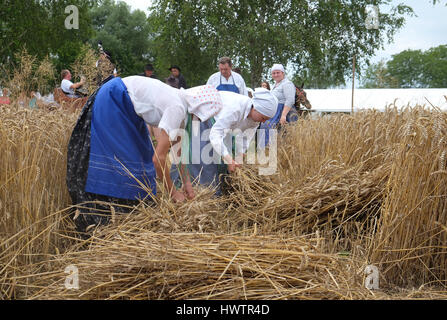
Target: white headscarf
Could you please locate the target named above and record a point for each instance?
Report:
(265, 102)
(203, 101)
(278, 66)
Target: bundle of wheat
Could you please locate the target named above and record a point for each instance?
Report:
(138, 264)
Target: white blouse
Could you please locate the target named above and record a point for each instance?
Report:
(157, 103)
(285, 92)
(233, 119)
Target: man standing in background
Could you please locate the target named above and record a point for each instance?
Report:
(226, 80)
(148, 71)
(176, 79)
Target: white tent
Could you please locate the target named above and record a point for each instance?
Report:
(339, 100)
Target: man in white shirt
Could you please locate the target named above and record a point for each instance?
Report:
(69, 87)
(226, 80)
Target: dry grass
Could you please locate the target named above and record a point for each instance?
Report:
(349, 191)
(30, 75)
(32, 192)
(85, 66)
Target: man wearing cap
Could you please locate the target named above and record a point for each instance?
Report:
(148, 71)
(110, 154)
(284, 90)
(176, 79)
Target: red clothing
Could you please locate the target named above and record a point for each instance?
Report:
(5, 100)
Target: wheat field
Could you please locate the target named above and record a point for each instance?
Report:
(350, 191)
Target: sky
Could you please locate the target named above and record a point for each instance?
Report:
(426, 30)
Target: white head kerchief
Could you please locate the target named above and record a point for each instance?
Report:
(265, 102)
(278, 66)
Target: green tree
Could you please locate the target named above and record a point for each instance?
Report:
(407, 68)
(181, 34)
(39, 25)
(410, 69)
(377, 76)
(318, 38)
(435, 67)
(125, 34)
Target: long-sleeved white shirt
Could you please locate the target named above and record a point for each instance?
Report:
(285, 92)
(157, 103)
(216, 79)
(233, 120)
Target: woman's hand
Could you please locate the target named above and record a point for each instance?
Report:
(190, 194)
(177, 196)
(284, 114)
(283, 120)
(233, 166)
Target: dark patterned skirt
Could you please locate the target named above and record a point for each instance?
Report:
(90, 209)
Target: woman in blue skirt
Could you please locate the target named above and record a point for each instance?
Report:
(284, 90)
(110, 155)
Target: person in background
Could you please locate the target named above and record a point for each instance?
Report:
(226, 80)
(176, 79)
(69, 87)
(207, 173)
(110, 154)
(148, 71)
(4, 99)
(284, 90)
(265, 85)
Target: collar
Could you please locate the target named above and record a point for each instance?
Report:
(231, 74)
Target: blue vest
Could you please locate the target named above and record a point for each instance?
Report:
(120, 147)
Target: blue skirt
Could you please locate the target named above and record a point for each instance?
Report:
(264, 135)
(120, 148)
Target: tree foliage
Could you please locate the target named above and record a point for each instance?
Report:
(410, 69)
(39, 25)
(318, 38)
(124, 33)
(377, 76)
